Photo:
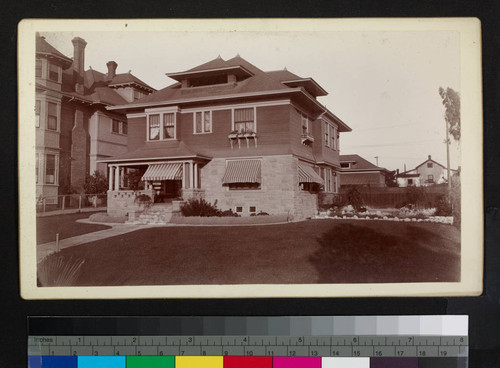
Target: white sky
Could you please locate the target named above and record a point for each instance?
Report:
(384, 85)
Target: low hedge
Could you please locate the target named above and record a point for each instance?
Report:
(198, 220)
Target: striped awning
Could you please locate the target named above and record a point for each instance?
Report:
(242, 171)
(163, 172)
(308, 175)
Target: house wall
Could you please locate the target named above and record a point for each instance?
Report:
(321, 151)
(136, 133)
(103, 142)
(436, 170)
(279, 192)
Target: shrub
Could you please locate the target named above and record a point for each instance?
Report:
(228, 213)
(95, 183)
(134, 179)
(354, 198)
(200, 207)
(143, 199)
(443, 207)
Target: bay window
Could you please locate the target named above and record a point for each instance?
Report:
(37, 113)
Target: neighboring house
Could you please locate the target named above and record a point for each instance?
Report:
(229, 132)
(356, 171)
(73, 128)
(427, 173)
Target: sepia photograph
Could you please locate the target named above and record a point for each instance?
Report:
(250, 158)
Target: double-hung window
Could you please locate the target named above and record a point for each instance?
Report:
(52, 116)
(37, 165)
(161, 126)
(244, 120)
(37, 113)
(168, 126)
(202, 122)
(50, 169)
(54, 72)
(38, 68)
(119, 127)
(306, 129)
(154, 127)
(327, 134)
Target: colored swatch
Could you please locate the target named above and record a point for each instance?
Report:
(346, 362)
(393, 362)
(247, 362)
(150, 362)
(199, 362)
(101, 362)
(296, 362)
(41, 361)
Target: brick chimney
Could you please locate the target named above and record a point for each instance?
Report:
(79, 62)
(429, 157)
(112, 65)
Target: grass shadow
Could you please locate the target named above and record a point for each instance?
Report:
(358, 254)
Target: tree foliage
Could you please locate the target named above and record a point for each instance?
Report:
(451, 102)
(96, 183)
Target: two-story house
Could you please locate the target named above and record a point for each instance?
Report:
(229, 132)
(427, 173)
(73, 128)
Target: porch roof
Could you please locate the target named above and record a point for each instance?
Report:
(157, 151)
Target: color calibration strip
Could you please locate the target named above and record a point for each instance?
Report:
(253, 342)
(240, 362)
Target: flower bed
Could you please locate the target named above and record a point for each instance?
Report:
(360, 216)
(197, 220)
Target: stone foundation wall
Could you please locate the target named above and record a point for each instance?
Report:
(306, 205)
(279, 192)
(120, 203)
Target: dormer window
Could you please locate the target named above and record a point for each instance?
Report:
(345, 165)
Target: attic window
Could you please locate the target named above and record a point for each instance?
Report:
(429, 164)
(208, 81)
(345, 165)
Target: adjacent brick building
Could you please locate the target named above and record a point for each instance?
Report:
(73, 127)
(227, 131)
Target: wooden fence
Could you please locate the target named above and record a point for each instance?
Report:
(376, 197)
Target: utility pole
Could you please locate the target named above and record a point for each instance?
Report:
(376, 158)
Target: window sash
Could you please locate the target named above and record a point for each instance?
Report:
(327, 134)
(52, 116)
(50, 169)
(203, 122)
(244, 120)
(37, 166)
(115, 126)
(54, 72)
(168, 126)
(124, 127)
(38, 68)
(154, 127)
(38, 106)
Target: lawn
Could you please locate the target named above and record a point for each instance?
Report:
(315, 251)
(65, 225)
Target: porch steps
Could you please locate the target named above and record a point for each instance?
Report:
(157, 214)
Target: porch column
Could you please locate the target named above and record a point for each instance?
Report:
(183, 175)
(111, 172)
(195, 175)
(191, 176)
(117, 178)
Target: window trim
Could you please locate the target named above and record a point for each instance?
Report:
(58, 72)
(202, 112)
(331, 135)
(38, 113)
(233, 109)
